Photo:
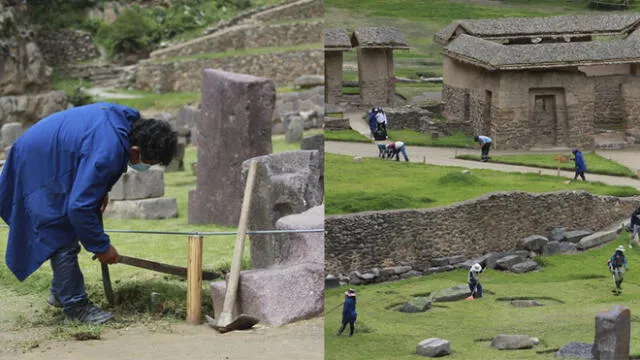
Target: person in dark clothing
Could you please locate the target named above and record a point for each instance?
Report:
(349, 313)
(581, 165)
(486, 142)
(474, 281)
(634, 225)
(617, 264)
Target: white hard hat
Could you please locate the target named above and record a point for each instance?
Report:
(620, 248)
(476, 267)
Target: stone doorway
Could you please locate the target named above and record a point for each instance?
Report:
(548, 124)
(486, 116)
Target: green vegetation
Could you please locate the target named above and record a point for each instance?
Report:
(409, 137)
(345, 135)
(242, 52)
(374, 184)
(596, 164)
(581, 283)
(150, 100)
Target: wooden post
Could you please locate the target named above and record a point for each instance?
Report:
(194, 280)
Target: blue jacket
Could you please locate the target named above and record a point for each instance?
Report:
(349, 309)
(610, 263)
(373, 124)
(581, 166)
(54, 179)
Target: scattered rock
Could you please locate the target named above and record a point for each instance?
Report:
(613, 334)
(524, 267)
(439, 269)
(331, 282)
(598, 238)
(402, 269)
(410, 273)
(514, 342)
(522, 253)
(534, 242)
(555, 247)
(456, 259)
(440, 262)
(454, 293)
(417, 304)
(576, 235)
(433, 347)
(557, 234)
(576, 350)
(508, 261)
(309, 81)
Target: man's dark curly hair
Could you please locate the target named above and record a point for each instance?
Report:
(156, 140)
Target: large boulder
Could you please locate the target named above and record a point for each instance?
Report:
(555, 247)
(613, 334)
(454, 293)
(534, 243)
(417, 304)
(577, 235)
(576, 350)
(157, 208)
(508, 261)
(524, 267)
(28, 109)
(135, 185)
(596, 239)
(24, 70)
(286, 183)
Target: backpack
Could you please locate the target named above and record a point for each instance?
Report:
(380, 133)
(618, 260)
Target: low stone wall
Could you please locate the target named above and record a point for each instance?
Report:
(31, 108)
(247, 37)
(421, 120)
(492, 222)
(303, 9)
(186, 75)
(65, 46)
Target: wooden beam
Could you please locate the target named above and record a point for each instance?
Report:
(194, 280)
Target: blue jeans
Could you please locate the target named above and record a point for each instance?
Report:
(402, 150)
(478, 289)
(68, 282)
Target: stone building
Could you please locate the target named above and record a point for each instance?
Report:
(375, 63)
(336, 42)
(543, 82)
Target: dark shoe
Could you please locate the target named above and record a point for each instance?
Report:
(88, 313)
(53, 301)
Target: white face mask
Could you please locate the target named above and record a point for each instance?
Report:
(142, 167)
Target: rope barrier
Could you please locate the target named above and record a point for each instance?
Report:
(205, 233)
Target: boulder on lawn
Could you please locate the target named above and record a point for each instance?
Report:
(576, 235)
(508, 261)
(514, 342)
(524, 267)
(417, 304)
(534, 243)
(433, 347)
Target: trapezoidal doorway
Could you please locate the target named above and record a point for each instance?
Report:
(547, 120)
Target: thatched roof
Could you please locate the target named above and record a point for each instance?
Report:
(494, 56)
(336, 40)
(389, 38)
(558, 26)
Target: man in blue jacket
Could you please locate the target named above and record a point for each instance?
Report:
(581, 165)
(54, 186)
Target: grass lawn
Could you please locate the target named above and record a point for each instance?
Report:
(581, 282)
(372, 184)
(133, 286)
(409, 137)
(596, 164)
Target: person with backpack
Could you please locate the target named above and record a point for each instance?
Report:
(581, 165)
(349, 313)
(474, 280)
(395, 148)
(486, 142)
(617, 265)
(380, 131)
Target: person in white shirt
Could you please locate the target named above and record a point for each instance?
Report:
(486, 142)
(395, 148)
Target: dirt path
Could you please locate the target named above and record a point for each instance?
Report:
(446, 156)
(20, 339)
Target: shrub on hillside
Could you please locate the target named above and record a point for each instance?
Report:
(132, 32)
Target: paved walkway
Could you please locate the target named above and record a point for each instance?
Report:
(446, 157)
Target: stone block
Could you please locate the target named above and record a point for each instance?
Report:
(596, 239)
(577, 235)
(135, 185)
(276, 296)
(514, 342)
(295, 248)
(524, 267)
(158, 208)
(294, 129)
(9, 133)
(433, 347)
(534, 243)
(555, 247)
(286, 183)
(234, 125)
(417, 304)
(508, 261)
(557, 234)
(177, 164)
(613, 334)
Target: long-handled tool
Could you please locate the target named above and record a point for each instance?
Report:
(470, 297)
(243, 322)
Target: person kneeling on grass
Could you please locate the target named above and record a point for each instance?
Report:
(617, 265)
(474, 281)
(54, 186)
(395, 148)
(349, 313)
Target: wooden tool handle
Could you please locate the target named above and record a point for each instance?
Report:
(234, 276)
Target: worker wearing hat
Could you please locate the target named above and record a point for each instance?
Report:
(474, 281)
(617, 265)
(349, 313)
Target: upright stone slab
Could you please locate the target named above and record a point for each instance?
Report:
(286, 183)
(235, 125)
(294, 129)
(136, 185)
(613, 334)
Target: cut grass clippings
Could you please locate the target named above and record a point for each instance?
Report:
(372, 184)
(596, 164)
(581, 282)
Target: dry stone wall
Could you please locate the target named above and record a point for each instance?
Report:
(608, 101)
(247, 37)
(493, 222)
(282, 68)
(65, 46)
(298, 10)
